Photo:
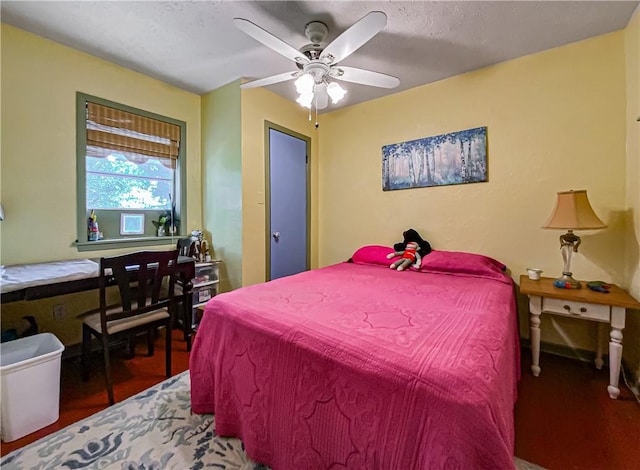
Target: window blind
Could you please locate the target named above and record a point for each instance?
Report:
(132, 135)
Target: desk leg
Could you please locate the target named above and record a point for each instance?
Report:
(600, 346)
(535, 309)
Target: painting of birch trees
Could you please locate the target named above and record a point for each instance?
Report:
(455, 158)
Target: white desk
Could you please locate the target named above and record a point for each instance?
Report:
(22, 276)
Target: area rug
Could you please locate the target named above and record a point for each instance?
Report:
(153, 430)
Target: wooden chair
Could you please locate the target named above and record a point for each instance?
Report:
(145, 282)
(186, 247)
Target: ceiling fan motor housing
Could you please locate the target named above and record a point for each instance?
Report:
(311, 52)
(316, 31)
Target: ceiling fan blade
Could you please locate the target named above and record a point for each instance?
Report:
(281, 77)
(321, 96)
(269, 40)
(354, 37)
(364, 77)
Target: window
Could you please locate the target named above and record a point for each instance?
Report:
(114, 182)
(129, 161)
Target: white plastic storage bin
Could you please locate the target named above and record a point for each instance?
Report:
(29, 384)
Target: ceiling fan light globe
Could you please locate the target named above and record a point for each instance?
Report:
(304, 84)
(305, 99)
(336, 92)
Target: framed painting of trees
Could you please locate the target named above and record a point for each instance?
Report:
(454, 158)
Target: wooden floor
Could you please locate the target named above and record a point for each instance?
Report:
(564, 418)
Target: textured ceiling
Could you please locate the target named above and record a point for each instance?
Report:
(194, 45)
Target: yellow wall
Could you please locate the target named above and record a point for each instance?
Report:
(40, 79)
(632, 50)
(555, 120)
(260, 105)
(222, 180)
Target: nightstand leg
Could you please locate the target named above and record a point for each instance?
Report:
(535, 308)
(600, 346)
(615, 356)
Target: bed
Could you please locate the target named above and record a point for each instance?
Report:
(359, 366)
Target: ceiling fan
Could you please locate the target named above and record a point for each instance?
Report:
(319, 65)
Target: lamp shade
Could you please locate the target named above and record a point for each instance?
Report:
(573, 212)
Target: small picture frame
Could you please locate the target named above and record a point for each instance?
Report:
(131, 224)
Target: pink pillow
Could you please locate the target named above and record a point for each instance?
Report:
(373, 254)
(466, 264)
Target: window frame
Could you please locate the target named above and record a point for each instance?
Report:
(81, 194)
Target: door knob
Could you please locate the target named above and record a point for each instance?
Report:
(276, 235)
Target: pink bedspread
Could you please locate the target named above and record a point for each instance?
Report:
(363, 367)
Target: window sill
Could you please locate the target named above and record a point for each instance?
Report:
(115, 243)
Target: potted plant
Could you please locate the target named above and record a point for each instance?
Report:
(167, 224)
(160, 225)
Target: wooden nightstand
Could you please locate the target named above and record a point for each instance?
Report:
(585, 304)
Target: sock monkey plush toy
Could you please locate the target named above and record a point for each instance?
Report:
(411, 250)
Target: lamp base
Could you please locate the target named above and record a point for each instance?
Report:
(567, 282)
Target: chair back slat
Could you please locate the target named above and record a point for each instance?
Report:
(141, 279)
(186, 247)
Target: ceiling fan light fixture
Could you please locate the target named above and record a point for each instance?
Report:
(304, 84)
(336, 92)
(317, 70)
(305, 99)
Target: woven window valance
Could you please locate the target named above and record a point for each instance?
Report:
(132, 135)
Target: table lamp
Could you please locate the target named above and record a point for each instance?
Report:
(572, 212)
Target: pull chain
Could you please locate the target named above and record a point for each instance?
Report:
(315, 98)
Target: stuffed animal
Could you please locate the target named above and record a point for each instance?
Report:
(408, 257)
(411, 250)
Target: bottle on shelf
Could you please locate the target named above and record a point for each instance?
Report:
(94, 231)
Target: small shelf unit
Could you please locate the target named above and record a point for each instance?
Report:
(205, 287)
